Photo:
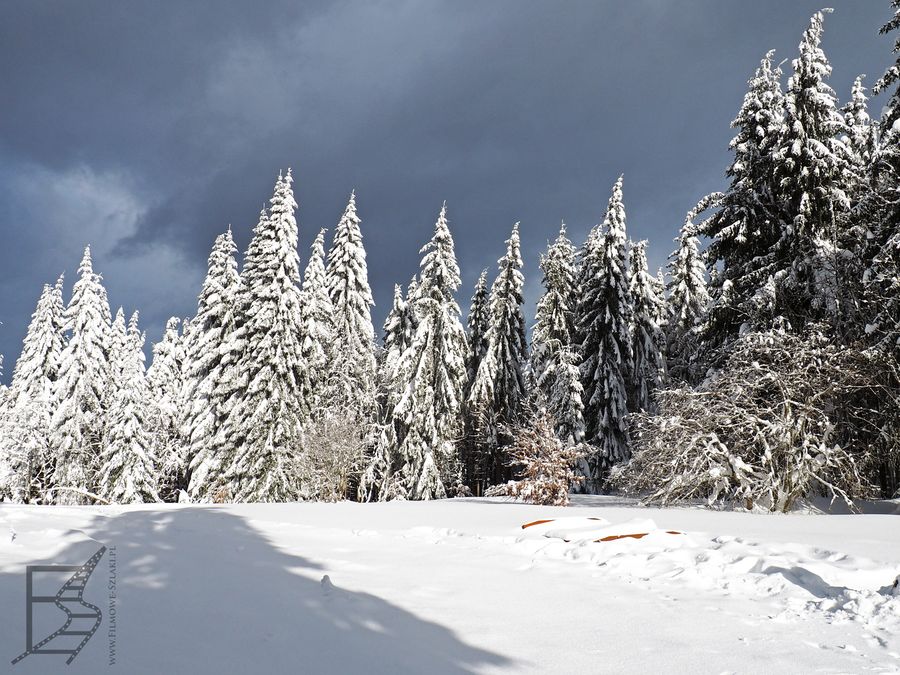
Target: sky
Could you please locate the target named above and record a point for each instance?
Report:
(144, 129)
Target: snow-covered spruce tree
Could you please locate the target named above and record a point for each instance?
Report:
(892, 76)
(230, 385)
(399, 332)
(881, 210)
(77, 425)
(541, 462)
(118, 347)
(745, 230)
(38, 364)
(164, 377)
(862, 136)
(265, 421)
(688, 303)
(25, 438)
(648, 342)
(659, 289)
(788, 416)
(813, 169)
(477, 324)
(603, 319)
(128, 470)
(206, 344)
(554, 353)
(317, 331)
(351, 299)
(432, 372)
(498, 392)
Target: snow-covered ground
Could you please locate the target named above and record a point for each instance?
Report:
(458, 586)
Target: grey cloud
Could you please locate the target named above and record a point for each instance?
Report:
(511, 110)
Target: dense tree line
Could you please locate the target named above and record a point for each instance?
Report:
(761, 366)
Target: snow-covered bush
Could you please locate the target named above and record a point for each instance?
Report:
(786, 417)
(333, 456)
(544, 464)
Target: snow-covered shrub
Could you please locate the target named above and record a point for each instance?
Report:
(333, 456)
(786, 417)
(545, 466)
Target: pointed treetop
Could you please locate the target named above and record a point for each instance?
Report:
(614, 222)
(86, 266)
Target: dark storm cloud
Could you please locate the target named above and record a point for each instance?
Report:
(145, 128)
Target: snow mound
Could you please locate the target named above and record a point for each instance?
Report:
(804, 579)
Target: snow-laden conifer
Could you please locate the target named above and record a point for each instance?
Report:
(813, 171)
(431, 376)
(78, 420)
(316, 324)
(164, 379)
(351, 299)
(498, 392)
(128, 472)
(881, 211)
(38, 364)
(25, 434)
(892, 74)
(648, 340)
(478, 322)
(206, 346)
(604, 317)
(746, 230)
(554, 353)
(688, 303)
(265, 420)
(861, 139)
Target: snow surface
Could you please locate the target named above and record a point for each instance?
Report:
(457, 586)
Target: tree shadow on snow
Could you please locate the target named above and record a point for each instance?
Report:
(199, 591)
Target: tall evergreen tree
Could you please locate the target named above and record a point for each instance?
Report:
(554, 353)
(477, 323)
(206, 345)
(659, 288)
(881, 210)
(25, 437)
(745, 232)
(892, 75)
(604, 317)
(38, 364)
(426, 417)
(648, 341)
(265, 422)
(688, 304)
(165, 383)
(351, 299)
(812, 170)
(78, 420)
(861, 139)
(498, 393)
(316, 325)
(128, 472)
(399, 331)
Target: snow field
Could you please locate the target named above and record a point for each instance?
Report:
(457, 586)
